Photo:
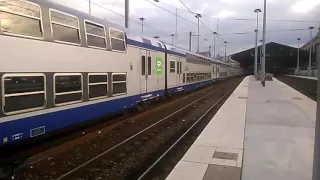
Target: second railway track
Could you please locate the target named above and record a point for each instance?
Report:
(305, 86)
(132, 156)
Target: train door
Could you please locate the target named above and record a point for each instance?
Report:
(178, 72)
(180, 77)
(145, 70)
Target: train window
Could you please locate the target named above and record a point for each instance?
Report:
(21, 18)
(23, 93)
(98, 85)
(149, 65)
(67, 88)
(95, 35)
(117, 40)
(172, 67)
(143, 65)
(180, 67)
(119, 83)
(118, 45)
(194, 77)
(65, 27)
(116, 34)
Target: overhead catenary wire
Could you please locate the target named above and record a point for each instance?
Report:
(242, 33)
(175, 7)
(194, 15)
(187, 8)
(277, 20)
(203, 24)
(171, 12)
(240, 18)
(96, 4)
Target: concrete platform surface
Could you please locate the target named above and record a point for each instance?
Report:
(260, 133)
(217, 152)
(279, 133)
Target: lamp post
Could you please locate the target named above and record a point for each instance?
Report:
(89, 7)
(198, 16)
(263, 69)
(225, 51)
(259, 59)
(255, 68)
(190, 39)
(142, 19)
(298, 56)
(126, 13)
(256, 44)
(316, 156)
(310, 50)
(214, 44)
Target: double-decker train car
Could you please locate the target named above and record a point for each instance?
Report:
(61, 67)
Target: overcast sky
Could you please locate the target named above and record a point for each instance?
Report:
(160, 23)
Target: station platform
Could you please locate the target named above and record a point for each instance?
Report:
(259, 133)
(304, 77)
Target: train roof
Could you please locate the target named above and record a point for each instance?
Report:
(187, 52)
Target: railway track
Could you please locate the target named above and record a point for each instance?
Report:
(157, 162)
(304, 86)
(123, 159)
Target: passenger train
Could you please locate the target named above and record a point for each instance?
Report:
(61, 67)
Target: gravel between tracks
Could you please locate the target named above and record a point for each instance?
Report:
(126, 161)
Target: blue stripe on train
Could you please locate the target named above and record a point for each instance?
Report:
(13, 131)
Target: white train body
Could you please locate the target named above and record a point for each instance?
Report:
(50, 81)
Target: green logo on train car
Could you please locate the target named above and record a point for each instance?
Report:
(159, 66)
